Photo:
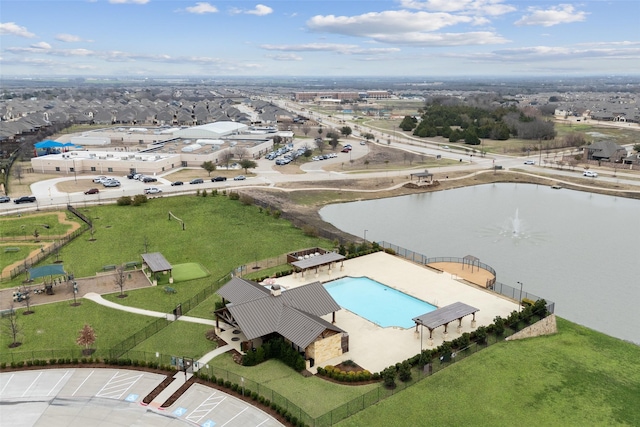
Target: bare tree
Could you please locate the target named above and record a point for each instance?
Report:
(26, 298)
(225, 157)
(305, 129)
(17, 172)
(86, 338)
(11, 326)
(320, 144)
(240, 153)
(120, 280)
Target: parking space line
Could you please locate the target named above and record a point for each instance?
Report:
(81, 384)
(235, 416)
(197, 414)
(258, 425)
(116, 387)
(31, 385)
(6, 384)
(54, 387)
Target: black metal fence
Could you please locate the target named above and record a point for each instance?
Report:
(497, 287)
(145, 333)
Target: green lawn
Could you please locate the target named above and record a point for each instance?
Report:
(8, 258)
(183, 339)
(188, 271)
(56, 326)
(577, 377)
(26, 225)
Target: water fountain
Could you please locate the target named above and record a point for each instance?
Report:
(515, 224)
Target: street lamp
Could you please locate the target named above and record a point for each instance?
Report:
(520, 300)
(365, 236)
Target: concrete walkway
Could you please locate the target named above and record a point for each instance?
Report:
(97, 298)
(178, 380)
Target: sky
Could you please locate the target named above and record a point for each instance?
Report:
(308, 38)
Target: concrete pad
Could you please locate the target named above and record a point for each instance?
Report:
(375, 348)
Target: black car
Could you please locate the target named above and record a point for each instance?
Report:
(24, 199)
(149, 179)
(219, 178)
(176, 183)
(196, 181)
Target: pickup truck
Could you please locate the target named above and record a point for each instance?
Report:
(24, 199)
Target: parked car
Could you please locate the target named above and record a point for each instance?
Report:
(111, 183)
(152, 190)
(196, 181)
(4, 199)
(363, 143)
(346, 150)
(590, 174)
(99, 178)
(149, 179)
(173, 184)
(529, 162)
(24, 199)
(240, 178)
(92, 191)
(218, 178)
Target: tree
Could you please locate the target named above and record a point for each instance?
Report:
(240, 152)
(247, 163)
(636, 148)
(120, 280)
(225, 157)
(333, 142)
(209, 166)
(86, 338)
(368, 136)
(11, 326)
(305, 129)
(17, 172)
(26, 299)
(320, 144)
(408, 123)
(346, 131)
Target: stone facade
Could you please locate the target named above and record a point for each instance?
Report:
(546, 326)
(323, 349)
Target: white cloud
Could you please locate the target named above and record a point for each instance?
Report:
(129, 1)
(201, 8)
(554, 54)
(68, 38)
(478, 7)
(260, 10)
(285, 57)
(41, 45)
(11, 28)
(346, 49)
(555, 15)
(444, 39)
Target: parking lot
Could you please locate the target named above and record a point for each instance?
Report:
(113, 397)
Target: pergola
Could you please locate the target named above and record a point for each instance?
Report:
(318, 261)
(426, 176)
(444, 316)
(157, 263)
(471, 260)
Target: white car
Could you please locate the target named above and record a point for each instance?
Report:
(590, 174)
(152, 190)
(529, 162)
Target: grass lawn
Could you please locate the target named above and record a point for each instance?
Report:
(188, 271)
(14, 226)
(313, 395)
(56, 326)
(9, 258)
(183, 339)
(578, 377)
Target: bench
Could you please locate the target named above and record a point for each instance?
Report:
(170, 290)
(12, 249)
(109, 267)
(132, 264)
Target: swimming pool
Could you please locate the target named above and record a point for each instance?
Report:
(376, 302)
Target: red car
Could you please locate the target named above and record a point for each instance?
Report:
(92, 191)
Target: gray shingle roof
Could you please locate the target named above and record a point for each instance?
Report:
(156, 262)
(294, 314)
(444, 315)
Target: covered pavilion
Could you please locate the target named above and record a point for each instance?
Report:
(157, 263)
(444, 316)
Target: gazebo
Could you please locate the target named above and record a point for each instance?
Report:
(157, 263)
(423, 176)
(444, 316)
(317, 261)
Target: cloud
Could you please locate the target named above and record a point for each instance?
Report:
(555, 54)
(555, 15)
(405, 27)
(476, 7)
(128, 1)
(346, 49)
(12, 29)
(285, 57)
(259, 10)
(68, 38)
(202, 8)
(41, 45)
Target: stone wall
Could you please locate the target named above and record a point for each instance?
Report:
(325, 348)
(546, 326)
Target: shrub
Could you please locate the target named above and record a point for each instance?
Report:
(227, 384)
(220, 381)
(310, 231)
(139, 199)
(405, 372)
(124, 201)
(254, 395)
(246, 200)
(389, 377)
(233, 195)
(481, 335)
(197, 193)
(234, 387)
(276, 214)
(204, 193)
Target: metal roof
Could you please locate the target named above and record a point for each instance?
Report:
(294, 314)
(316, 261)
(445, 315)
(156, 262)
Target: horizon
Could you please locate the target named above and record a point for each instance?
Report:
(287, 39)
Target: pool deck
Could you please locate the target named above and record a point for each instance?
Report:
(375, 348)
